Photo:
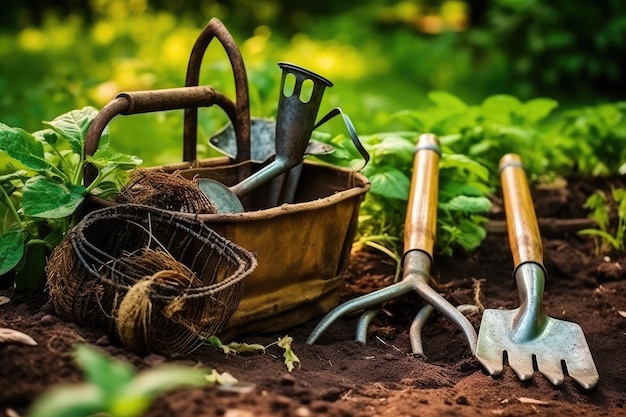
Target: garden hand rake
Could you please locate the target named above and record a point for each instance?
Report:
(527, 334)
(419, 238)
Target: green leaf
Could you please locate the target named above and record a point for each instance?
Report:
(50, 137)
(411, 118)
(13, 176)
(234, 347)
(224, 378)
(452, 188)
(390, 183)
(111, 376)
(245, 347)
(30, 274)
(444, 99)
(73, 126)
(136, 396)
(49, 199)
(105, 158)
(471, 236)
(538, 109)
(289, 355)
(467, 204)
(77, 400)
(395, 150)
(462, 162)
(23, 147)
(11, 250)
(499, 108)
(605, 236)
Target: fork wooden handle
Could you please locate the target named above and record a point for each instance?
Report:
(521, 221)
(420, 225)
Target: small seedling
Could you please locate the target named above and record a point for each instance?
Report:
(114, 388)
(606, 236)
(289, 355)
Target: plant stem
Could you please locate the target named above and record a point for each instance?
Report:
(63, 160)
(77, 177)
(11, 207)
(96, 181)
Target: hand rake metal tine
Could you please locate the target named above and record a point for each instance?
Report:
(364, 323)
(419, 237)
(420, 320)
(526, 334)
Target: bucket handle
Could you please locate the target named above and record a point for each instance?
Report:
(151, 101)
(216, 29)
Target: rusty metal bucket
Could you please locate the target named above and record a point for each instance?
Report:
(301, 248)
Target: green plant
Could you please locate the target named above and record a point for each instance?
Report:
(463, 189)
(552, 45)
(484, 132)
(44, 187)
(114, 387)
(463, 203)
(606, 236)
(594, 139)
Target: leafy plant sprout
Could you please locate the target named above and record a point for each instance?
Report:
(44, 189)
(606, 236)
(114, 388)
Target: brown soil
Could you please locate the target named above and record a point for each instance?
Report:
(341, 377)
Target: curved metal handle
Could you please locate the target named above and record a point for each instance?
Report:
(149, 101)
(521, 221)
(420, 226)
(216, 29)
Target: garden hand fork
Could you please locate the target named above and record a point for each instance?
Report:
(527, 334)
(419, 237)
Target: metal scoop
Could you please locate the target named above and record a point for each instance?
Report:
(531, 339)
(301, 93)
(419, 237)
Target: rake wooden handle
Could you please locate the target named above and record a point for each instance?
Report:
(521, 221)
(420, 225)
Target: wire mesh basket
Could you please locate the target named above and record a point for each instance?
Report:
(160, 281)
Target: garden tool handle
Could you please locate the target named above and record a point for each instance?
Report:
(150, 101)
(521, 221)
(241, 122)
(420, 226)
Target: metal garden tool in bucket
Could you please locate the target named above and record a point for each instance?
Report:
(262, 149)
(297, 111)
(419, 238)
(531, 339)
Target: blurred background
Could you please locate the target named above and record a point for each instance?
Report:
(383, 57)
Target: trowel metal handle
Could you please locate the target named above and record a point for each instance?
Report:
(420, 225)
(521, 221)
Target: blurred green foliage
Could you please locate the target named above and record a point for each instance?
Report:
(560, 48)
(472, 72)
(382, 55)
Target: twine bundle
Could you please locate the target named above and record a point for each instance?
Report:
(168, 191)
(160, 281)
